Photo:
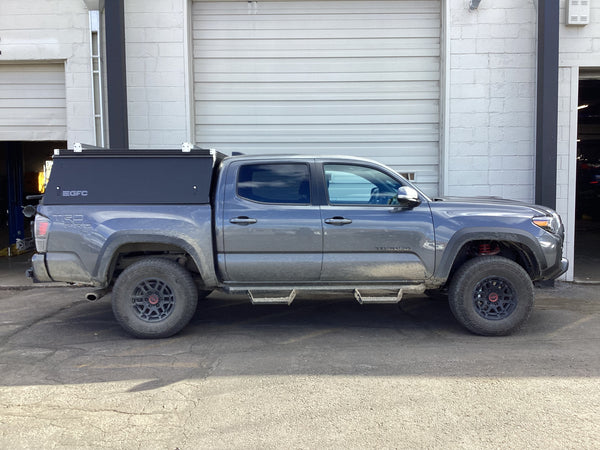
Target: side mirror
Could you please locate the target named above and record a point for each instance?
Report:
(408, 197)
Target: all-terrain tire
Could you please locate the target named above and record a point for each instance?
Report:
(491, 296)
(154, 298)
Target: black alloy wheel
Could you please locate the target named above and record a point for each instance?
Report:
(491, 295)
(494, 298)
(154, 298)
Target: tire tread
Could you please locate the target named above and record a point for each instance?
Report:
(461, 299)
(186, 298)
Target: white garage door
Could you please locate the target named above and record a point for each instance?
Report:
(32, 102)
(322, 77)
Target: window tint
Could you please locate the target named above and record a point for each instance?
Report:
(274, 183)
(357, 185)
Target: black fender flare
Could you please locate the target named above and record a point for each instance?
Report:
(466, 235)
(121, 238)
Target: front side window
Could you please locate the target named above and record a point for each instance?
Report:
(274, 183)
(359, 185)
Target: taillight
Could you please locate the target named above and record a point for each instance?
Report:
(41, 226)
(41, 233)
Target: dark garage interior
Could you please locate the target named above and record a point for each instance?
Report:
(587, 231)
(20, 165)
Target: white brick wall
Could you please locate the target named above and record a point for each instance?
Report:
(156, 90)
(491, 141)
(53, 30)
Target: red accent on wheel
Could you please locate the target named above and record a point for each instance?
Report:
(153, 299)
(493, 297)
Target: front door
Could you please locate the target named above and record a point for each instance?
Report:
(368, 237)
(271, 231)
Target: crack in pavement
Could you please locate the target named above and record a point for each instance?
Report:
(7, 337)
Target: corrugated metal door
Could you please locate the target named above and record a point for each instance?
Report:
(328, 77)
(32, 102)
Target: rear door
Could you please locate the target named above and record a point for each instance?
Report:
(367, 237)
(271, 229)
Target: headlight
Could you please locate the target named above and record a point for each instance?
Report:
(548, 223)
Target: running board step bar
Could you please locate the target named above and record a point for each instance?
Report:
(257, 299)
(285, 295)
(365, 299)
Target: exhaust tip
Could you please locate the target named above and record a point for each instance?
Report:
(95, 295)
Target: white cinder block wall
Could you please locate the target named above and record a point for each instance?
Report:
(490, 146)
(53, 30)
(579, 49)
(156, 67)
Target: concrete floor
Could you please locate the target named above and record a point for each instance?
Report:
(324, 374)
(330, 374)
(12, 271)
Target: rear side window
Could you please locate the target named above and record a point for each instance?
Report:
(274, 183)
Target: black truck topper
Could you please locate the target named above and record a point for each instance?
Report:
(108, 176)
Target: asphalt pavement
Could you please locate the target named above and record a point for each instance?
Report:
(324, 372)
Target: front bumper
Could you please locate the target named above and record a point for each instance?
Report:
(551, 273)
(552, 249)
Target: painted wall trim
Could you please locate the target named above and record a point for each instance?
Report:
(116, 75)
(547, 103)
(572, 186)
(188, 51)
(445, 98)
(94, 5)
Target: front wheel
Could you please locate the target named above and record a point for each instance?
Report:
(491, 296)
(154, 298)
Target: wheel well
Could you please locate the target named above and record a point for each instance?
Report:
(514, 251)
(128, 254)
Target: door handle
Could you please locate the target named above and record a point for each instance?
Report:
(338, 221)
(242, 220)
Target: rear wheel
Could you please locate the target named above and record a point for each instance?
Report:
(491, 296)
(154, 298)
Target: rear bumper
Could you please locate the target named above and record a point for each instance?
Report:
(38, 272)
(58, 266)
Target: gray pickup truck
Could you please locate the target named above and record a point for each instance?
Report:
(160, 228)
